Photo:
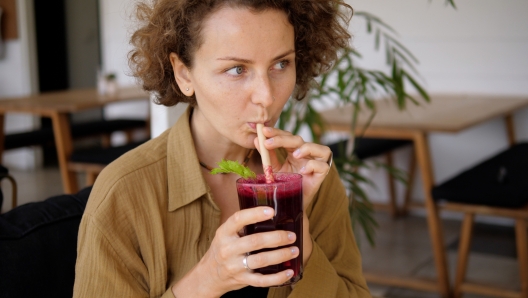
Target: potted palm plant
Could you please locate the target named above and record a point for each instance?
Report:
(347, 83)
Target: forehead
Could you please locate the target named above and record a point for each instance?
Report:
(241, 31)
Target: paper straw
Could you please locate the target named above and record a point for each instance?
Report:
(264, 154)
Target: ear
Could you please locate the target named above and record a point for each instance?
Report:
(182, 75)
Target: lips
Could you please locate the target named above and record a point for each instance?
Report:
(253, 125)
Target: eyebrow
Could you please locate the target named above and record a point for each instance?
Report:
(246, 61)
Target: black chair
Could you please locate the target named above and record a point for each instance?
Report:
(4, 173)
(38, 247)
(371, 147)
(498, 187)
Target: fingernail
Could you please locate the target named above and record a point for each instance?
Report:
(297, 152)
(267, 211)
(289, 273)
(269, 141)
(294, 250)
(291, 236)
(302, 170)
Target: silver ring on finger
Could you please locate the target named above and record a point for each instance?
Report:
(245, 262)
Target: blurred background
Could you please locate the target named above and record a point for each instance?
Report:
(479, 47)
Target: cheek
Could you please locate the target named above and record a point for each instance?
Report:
(211, 94)
(288, 86)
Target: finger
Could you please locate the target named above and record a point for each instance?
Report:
(242, 218)
(273, 257)
(273, 134)
(315, 167)
(270, 132)
(290, 142)
(265, 240)
(269, 280)
(313, 151)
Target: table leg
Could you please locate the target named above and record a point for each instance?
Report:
(410, 183)
(433, 219)
(510, 129)
(522, 253)
(63, 142)
(393, 206)
(2, 136)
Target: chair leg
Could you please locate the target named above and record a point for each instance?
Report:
(14, 190)
(393, 207)
(463, 253)
(90, 178)
(106, 141)
(14, 202)
(522, 254)
(410, 184)
(129, 134)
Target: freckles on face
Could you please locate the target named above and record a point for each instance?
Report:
(244, 72)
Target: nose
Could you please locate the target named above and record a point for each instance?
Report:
(262, 91)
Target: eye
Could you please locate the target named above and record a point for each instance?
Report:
(236, 71)
(281, 65)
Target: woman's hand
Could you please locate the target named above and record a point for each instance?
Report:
(308, 159)
(222, 268)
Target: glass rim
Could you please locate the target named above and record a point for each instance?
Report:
(242, 180)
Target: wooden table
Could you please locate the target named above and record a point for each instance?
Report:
(445, 113)
(58, 106)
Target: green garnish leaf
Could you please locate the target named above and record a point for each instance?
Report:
(229, 166)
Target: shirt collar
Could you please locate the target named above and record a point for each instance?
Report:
(186, 182)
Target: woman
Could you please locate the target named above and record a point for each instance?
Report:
(157, 222)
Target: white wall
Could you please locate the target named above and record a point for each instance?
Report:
(479, 47)
(116, 28)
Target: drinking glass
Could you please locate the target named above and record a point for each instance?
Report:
(285, 197)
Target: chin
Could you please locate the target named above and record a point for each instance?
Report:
(248, 142)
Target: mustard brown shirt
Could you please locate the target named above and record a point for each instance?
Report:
(150, 219)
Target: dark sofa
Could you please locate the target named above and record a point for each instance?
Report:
(38, 247)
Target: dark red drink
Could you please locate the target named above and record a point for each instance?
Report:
(285, 197)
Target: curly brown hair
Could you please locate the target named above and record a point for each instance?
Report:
(174, 26)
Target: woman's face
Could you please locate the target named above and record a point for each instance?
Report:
(243, 73)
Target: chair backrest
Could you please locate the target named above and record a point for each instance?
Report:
(499, 181)
(38, 246)
(368, 147)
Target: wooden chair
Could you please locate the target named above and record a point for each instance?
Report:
(496, 187)
(371, 147)
(92, 161)
(4, 173)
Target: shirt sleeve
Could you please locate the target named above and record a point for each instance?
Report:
(334, 268)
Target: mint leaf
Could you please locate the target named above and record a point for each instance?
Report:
(229, 166)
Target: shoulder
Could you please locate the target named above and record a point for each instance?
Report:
(137, 173)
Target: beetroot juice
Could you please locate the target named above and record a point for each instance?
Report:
(285, 197)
